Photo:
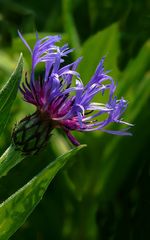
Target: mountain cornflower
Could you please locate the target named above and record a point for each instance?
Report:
(62, 100)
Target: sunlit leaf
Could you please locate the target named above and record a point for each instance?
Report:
(8, 94)
(117, 161)
(103, 43)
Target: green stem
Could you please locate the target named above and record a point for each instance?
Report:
(9, 159)
(70, 27)
(87, 220)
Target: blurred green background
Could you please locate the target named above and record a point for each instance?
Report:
(105, 193)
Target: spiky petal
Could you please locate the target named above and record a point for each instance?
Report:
(63, 97)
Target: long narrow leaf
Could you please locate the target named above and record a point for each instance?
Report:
(9, 159)
(8, 94)
(15, 210)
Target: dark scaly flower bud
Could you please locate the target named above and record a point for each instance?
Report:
(31, 134)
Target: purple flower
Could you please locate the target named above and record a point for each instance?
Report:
(61, 97)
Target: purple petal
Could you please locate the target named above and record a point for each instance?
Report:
(24, 41)
(72, 138)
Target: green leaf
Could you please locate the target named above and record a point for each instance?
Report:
(15, 210)
(103, 43)
(9, 159)
(122, 154)
(8, 94)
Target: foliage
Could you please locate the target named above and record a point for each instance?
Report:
(15, 210)
(8, 94)
(105, 193)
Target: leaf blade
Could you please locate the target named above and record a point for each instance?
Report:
(15, 210)
(8, 94)
(10, 158)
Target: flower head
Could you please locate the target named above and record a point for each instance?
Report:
(61, 97)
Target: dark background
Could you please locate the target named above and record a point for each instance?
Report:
(105, 194)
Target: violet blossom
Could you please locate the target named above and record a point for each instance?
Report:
(62, 98)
